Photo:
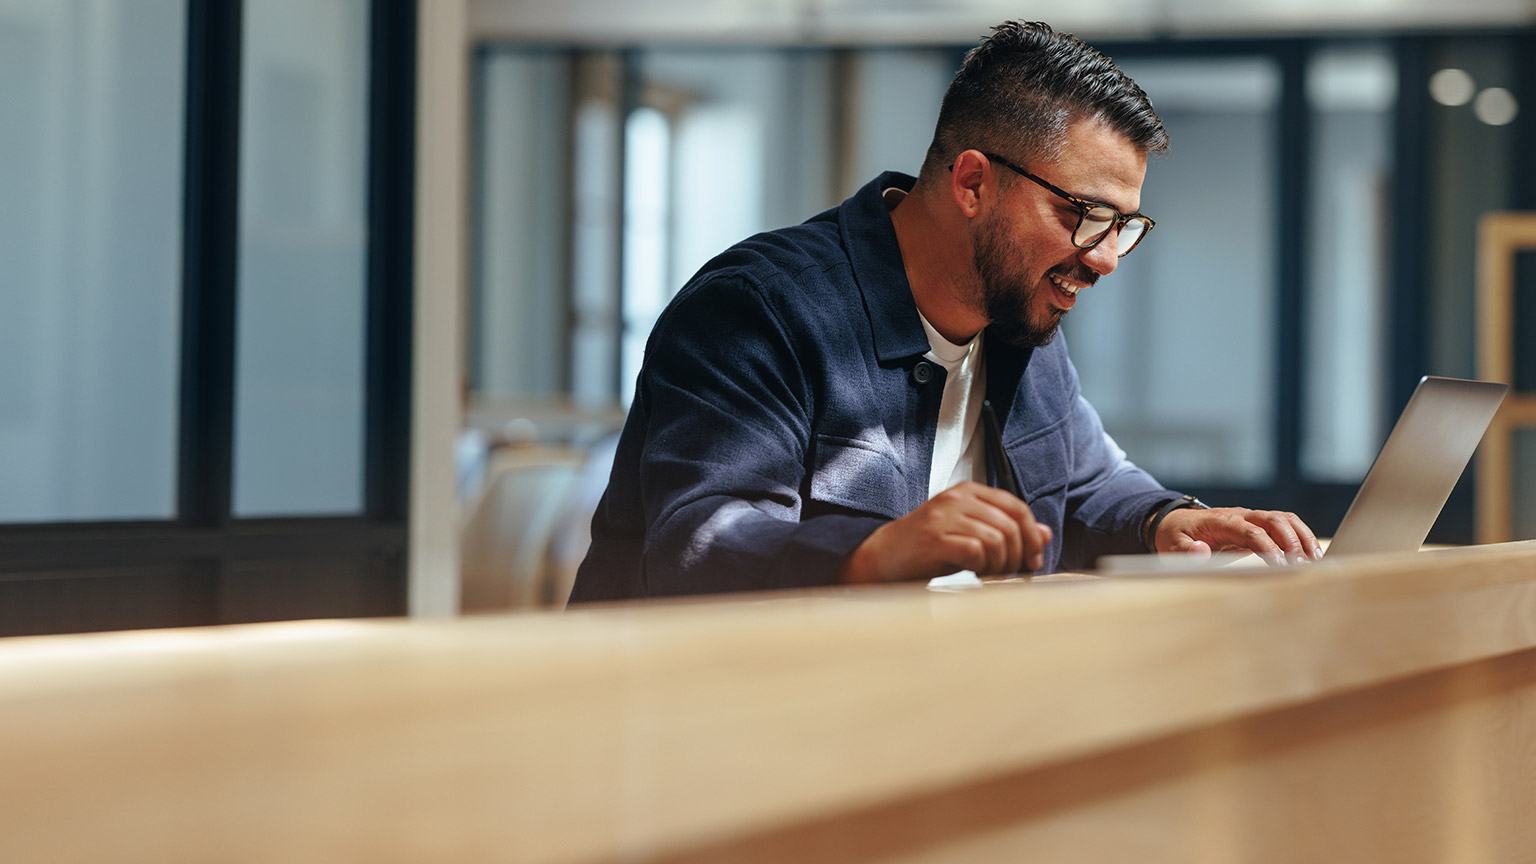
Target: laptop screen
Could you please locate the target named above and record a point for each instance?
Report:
(1417, 468)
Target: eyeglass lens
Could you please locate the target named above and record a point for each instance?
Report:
(1098, 220)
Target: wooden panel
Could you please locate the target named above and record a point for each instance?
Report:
(1436, 768)
(1366, 709)
(1499, 237)
(74, 601)
(349, 587)
(195, 593)
(134, 576)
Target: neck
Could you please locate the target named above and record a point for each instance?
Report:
(939, 266)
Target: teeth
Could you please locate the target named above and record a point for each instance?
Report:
(1069, 289)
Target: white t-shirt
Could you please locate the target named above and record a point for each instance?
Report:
(958, 451)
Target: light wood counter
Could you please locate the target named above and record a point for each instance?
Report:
(1377, 710)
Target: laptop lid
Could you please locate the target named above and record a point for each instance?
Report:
(1417, 468)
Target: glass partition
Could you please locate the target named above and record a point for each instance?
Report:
(92, 108)
(518, 324)
(1352, 96)
(300, 386)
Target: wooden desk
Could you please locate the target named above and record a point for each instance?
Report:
(1376, 710)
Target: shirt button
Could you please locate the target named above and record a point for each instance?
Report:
(922, 373)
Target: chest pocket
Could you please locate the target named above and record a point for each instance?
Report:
(1042, 464)
(856, 475)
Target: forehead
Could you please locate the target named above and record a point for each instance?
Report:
(1099, 164)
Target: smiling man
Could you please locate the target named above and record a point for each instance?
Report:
(810, 410)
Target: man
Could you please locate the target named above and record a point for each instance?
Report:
(809, 411)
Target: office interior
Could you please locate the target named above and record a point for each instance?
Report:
(331, 309)
(319, 310)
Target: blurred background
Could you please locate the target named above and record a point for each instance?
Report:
(332, 307)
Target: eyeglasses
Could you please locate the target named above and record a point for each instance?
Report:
(1094, 220)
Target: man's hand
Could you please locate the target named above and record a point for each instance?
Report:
(969, 526)
(1278, 537)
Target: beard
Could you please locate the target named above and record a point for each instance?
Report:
(1007, 296)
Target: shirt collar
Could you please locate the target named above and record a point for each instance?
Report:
(870, 239)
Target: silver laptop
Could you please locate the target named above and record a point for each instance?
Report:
(1417, 468)
(1404, 491)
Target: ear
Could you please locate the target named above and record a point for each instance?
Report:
(971, 182)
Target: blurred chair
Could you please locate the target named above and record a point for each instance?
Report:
(574, 533)
(507, 528)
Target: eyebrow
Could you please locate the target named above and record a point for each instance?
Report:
(1103, 203)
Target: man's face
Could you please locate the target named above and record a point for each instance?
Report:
(1028, 270)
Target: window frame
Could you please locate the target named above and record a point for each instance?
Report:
(204, 541)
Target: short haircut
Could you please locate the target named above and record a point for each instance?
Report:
(1019, 90)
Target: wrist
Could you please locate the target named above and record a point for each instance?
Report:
(1155, 519)
(859, 566)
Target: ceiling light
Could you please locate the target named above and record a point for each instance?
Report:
(1496, 106)
(1451, 87)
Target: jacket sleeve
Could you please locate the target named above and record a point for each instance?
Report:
(726, 412)
(1108, 496)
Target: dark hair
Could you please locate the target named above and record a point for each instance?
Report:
(1017, 92)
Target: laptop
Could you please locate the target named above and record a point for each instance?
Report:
(1407, 485)
(1417, 468)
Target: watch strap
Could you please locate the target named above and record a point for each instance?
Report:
(1181, 503)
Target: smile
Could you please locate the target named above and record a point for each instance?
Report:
(1067, 286)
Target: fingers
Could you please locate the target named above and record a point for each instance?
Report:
(1035, 536)
(968, 527)
(1271, 534)
(1026, 539)
(1199, 549)
(1279, 537)
(994, 547)
(1313, 548)
(960, 552)
(1292, 539)
(1002, 541)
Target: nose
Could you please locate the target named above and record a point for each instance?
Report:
(1104, 257)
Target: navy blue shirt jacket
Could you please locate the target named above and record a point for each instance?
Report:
(777, 422)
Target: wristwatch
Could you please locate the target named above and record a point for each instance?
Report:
(1149, 538)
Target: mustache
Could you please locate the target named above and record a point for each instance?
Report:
(1076, 273)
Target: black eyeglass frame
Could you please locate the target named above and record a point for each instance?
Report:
(1083, 206)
